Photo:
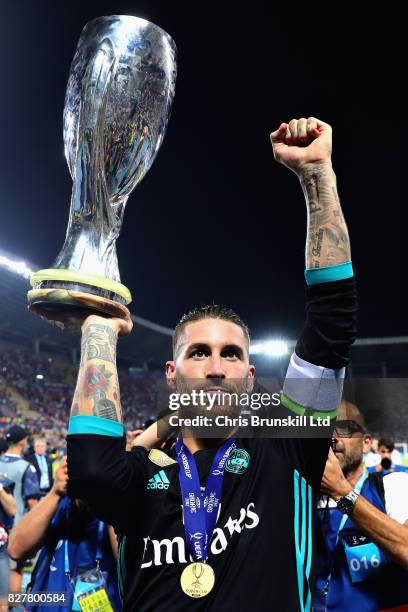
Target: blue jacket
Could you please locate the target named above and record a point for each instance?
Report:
(387, 587)
(49, 572)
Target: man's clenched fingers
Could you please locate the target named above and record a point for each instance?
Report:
(311, 125)
(302, 129)
(279, 134)
(293, 128)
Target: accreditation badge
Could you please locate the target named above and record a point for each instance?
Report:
(363, 557)
(90, 594)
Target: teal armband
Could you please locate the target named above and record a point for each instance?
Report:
(316, 276)
(88, 424)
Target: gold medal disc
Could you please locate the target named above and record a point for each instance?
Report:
(197, 579)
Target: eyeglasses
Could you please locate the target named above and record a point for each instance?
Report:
(347, 428)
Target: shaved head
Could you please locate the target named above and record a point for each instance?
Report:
(350, 412)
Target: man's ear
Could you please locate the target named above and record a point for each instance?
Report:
(250, 379)
(171, 374)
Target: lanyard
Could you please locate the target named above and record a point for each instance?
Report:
(200, 510)
(343, 521)
(98, 556)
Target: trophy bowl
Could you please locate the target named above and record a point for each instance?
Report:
(117, 106)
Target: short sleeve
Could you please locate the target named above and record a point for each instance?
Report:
(31, 486)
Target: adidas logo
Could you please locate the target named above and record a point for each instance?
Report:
(159, 481)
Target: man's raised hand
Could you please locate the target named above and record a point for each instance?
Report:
(122, 327)
(301, 143)
(61, 479)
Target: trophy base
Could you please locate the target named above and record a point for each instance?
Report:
(68, 309)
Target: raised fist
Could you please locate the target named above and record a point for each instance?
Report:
(301, 143)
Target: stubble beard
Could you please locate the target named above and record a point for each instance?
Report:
(227, 405)
(351, 461)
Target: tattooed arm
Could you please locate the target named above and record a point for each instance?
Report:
(97, 390)
(108, 479)
(327, 242)
(323, 348)
(304, 146)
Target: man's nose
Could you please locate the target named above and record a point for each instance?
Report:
(214, 368)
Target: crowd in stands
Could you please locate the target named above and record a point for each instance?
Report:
(46, 386)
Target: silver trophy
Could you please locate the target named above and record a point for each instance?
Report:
(117, 106)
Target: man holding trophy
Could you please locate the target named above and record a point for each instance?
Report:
(218, 523)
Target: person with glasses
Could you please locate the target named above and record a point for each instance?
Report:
(362, 539)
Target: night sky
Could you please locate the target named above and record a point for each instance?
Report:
(216, 218)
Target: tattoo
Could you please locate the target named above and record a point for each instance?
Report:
(336, 195)
(99, 342)
(106, 409)
(311, 178)
(327, 241)
(313, 208)
(339, 245)
(319, 239)
(332, 236)
(96, 387)
(97, 390)
(96, 381)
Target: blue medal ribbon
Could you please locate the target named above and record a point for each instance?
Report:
(200, 510)
(343, 521)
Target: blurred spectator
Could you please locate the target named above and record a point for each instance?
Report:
(374, 456)
(386, 452)
(362, 558)
(7, 513)
(26, 491)
(72, 543)
(371, 457)
(386, 448)
(57, 457)
(42, 465)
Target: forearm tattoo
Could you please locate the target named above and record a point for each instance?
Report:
(97, 390)
(99, 342)
(327, 236)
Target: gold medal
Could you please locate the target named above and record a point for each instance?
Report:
(197, 579)
(159, 458)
